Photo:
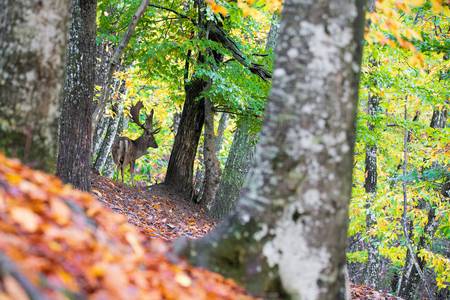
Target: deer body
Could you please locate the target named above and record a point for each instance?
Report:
(126, 151)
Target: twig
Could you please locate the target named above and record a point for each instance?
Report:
(173, 11)
(405, 207)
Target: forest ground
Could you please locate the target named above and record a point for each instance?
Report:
(160, 213)
(155, 210)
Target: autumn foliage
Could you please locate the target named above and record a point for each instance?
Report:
(59, 243)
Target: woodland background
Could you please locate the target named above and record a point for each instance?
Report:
(169, 55)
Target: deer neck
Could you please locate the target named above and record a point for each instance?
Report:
(141, 145)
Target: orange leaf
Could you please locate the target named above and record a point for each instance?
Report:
(26, 218)
(60, 212)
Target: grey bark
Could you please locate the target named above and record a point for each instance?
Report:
(111, 133)
(212, 165)
(32, 49)
(74, 156)
(104, 54)
(221, 131)
(272, 36)
(287, 236)
(236, 168)
(373, 266)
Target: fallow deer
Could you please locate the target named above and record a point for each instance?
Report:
(125, 151)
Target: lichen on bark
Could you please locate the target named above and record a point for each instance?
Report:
(290, 224)
(32, 44)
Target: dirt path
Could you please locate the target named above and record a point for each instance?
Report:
(155, 210)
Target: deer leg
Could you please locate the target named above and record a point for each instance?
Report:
(121, 172)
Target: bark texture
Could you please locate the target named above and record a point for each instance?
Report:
(180, 169)
(373, 267)
(74, 156)
(241, 153)
(236, 168)
(223, 122)
(291, 223)
(104, 151)
(32, 49)
(212, 165)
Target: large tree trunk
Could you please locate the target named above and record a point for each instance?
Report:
(74, 156)
(32, 48)
(181, 163)
(212, 165)
(291, 223)
(236, 168)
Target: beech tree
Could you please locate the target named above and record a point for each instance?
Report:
(180, 168)
(288, 236)
(74, 163)
(32, 48)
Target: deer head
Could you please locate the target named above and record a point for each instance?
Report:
(147, 139)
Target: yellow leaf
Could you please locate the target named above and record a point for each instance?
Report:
(183, 280)
(13, 178)
(416, 2)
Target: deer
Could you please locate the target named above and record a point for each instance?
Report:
(126, 151)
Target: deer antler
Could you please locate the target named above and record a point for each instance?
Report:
(134, 112)
(149, 120)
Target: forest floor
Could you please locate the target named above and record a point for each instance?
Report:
(160, 213)
(156, 211)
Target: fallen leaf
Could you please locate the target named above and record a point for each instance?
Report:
(26, 218)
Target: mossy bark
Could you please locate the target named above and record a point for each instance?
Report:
(74, 156)
(32, 49)
(287, 237)
(236, 168)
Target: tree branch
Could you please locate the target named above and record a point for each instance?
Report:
(173, 11)
(218, 35)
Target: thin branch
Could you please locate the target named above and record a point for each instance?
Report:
(173, 11)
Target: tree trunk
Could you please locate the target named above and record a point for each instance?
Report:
(212, 165)
(32, 48)
(221, 131)
(111, 133)
(236, 168)
(291, 223)
(181, 163)
(74, 156)
(439, 118)
(373, 267)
